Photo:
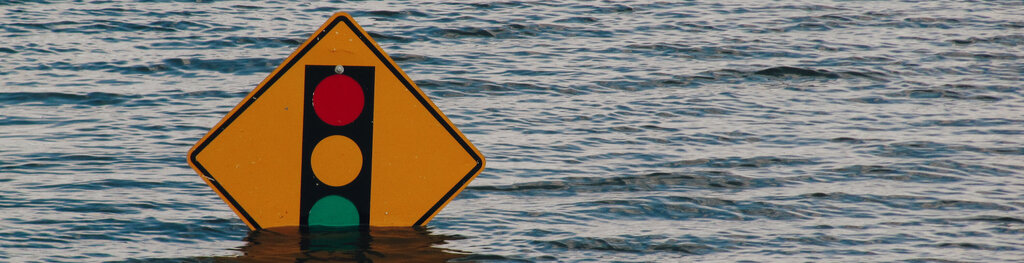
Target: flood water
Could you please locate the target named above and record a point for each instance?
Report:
(665, 131)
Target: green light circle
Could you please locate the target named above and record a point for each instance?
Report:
(333, 211)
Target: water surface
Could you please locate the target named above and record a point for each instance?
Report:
(614, 131)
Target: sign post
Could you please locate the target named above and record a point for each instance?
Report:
(336, 136)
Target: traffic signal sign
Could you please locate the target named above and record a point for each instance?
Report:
(337, 135)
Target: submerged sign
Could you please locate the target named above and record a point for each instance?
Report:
(337, 135)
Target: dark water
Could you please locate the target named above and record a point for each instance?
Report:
(614, 131)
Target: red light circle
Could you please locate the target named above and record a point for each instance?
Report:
(338, 100)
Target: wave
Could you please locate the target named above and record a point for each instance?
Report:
(60, 98)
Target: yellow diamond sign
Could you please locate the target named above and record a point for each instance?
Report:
(336, 136)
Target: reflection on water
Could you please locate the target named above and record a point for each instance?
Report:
(290, 244)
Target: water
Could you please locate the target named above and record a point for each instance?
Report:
(614, 131)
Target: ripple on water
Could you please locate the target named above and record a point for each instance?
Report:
(56, 98)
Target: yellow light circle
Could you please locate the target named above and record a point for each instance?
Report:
(336, 160)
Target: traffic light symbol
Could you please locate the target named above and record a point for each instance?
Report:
(337, 136)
